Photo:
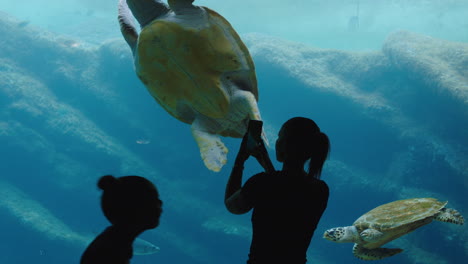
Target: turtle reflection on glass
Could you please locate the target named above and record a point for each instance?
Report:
(196, 67)
(391, 221)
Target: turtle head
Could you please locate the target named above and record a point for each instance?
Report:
(146, 11)
(347, 234)
(178, 5)
(179, 2)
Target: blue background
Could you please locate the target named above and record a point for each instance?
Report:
(72, 110)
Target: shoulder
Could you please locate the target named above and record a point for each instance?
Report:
(257, 177)
(322, 186)
(257, 181)
(321, 190)
(253, 185)
(257, 185)
(107, 248)
(316, 189)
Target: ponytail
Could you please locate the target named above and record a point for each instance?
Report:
(318, 154)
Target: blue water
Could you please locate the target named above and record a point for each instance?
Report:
(72, 110)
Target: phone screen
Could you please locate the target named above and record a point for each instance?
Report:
(255, 129)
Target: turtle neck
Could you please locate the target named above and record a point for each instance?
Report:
(180, 6)
(146, 11)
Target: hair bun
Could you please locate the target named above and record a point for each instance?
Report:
(106, 182)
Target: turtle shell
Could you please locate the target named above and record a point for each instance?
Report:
(398, 218)
(191, 67)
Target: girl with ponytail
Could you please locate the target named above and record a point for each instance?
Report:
(287, 204)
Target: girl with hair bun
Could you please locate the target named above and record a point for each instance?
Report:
(132, 205)
(287, 204)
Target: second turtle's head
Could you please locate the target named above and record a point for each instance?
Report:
(341, 234)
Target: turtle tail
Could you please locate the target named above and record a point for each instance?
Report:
(450, 215)
(127, 25)
(363, 253)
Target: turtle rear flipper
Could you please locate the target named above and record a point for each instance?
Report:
(363, 253)
(450, 215)
(212, 149)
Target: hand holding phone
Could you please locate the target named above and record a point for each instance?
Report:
(254, 134)
(256, 146)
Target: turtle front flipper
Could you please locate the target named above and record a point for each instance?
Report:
(450, 215)
(212, 149)
(144, 11)
(127, 26)
(245, 102)
(363, 253)
(371, 235)
(250, 103)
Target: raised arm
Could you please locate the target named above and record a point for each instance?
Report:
(233, 199)
(235, 202)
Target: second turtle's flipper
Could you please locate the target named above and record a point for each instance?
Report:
(371, 235)
(212, 149)
(450, 215)
(363, 253)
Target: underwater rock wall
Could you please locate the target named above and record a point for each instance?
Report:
(71, 112)
(414, 104)
(384, 85)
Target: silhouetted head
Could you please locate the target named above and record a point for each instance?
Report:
(130, 201)
(300, 140)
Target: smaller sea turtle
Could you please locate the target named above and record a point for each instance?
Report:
(388, 222)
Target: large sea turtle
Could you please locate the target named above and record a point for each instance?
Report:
(196, 67)
(388, 222)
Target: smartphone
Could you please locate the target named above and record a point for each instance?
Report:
(254, 139)
(254, 131)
